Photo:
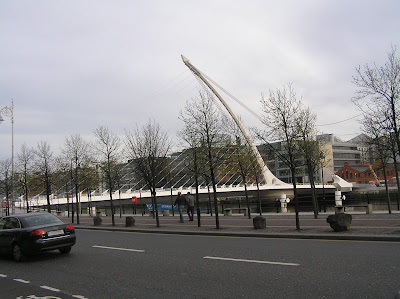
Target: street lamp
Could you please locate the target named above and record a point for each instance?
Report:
(9, 112)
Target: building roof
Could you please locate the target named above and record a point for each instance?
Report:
(359, 139)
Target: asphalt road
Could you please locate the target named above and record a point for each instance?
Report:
(134, 265)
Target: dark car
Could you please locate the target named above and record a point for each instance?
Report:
(27, 234)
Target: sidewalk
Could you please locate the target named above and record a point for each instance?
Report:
(365, 227)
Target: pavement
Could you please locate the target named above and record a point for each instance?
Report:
(379, 226)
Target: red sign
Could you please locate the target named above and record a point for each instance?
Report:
(134, 200)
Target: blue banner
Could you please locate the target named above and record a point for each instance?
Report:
(161, 206)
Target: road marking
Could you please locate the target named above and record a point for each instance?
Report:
(249, 261)
(43, 287)
(116, 248)
(50, 288)
(21, 280)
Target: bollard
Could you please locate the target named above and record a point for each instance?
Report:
(129, 221)
(97, 220)
(259, 222)
(284, 201)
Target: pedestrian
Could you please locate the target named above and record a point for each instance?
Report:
(190, 205)
(181, 202)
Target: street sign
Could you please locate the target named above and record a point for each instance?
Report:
(134, 200)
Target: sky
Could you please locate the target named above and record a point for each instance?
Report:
(72, 66)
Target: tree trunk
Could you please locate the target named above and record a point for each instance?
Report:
(156, 207)
(48, 203)
(209, 199)
(48, 191)
(295, 198)
(72, 197)
(153, 208)
(313, 194)
(120, 204)
(172, 202)
(259, 197)
(214, 185)
(196, 180)
(26, 197)
(387, 190)
(197, 200)
(247, 200)
(77, 203)
(112, 208)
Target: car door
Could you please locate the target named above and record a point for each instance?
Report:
(2, 235)
(9, 229)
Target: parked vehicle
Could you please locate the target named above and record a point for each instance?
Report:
(28, 234)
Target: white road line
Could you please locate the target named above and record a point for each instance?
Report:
(50, 288)
(249, 261)
(116, 248)
(44, 287)
(21, 280)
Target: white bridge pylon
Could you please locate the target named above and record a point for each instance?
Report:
(269, 177)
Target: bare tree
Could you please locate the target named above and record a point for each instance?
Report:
(245, 164)
(148, 147)
(311, 149)
(281, 109)
(108, 150)
(379, 86)
(76, 152)
(244, 160)
(24, 164)
(380, 141)
(379, 90)
(90, 181)
(209, 128)
(195, 167)
(64, 179)
(256, 174)
(44, 164)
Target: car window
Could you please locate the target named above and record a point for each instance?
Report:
(42, 219)
(2, 222)
(11, 223)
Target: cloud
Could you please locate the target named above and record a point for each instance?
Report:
(72, 66)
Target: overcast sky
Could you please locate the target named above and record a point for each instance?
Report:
(71, 66)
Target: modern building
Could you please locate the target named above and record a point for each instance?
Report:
(352, 152)
(336, 151)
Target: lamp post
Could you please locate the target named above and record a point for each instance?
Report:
(9, 112)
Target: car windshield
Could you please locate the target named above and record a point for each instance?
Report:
(42, 219)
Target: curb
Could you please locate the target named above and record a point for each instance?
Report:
(338, 237)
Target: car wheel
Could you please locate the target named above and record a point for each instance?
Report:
(18, 256)
(65, 250)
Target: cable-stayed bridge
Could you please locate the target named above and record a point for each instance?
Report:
(165, 194)
(230, 183)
